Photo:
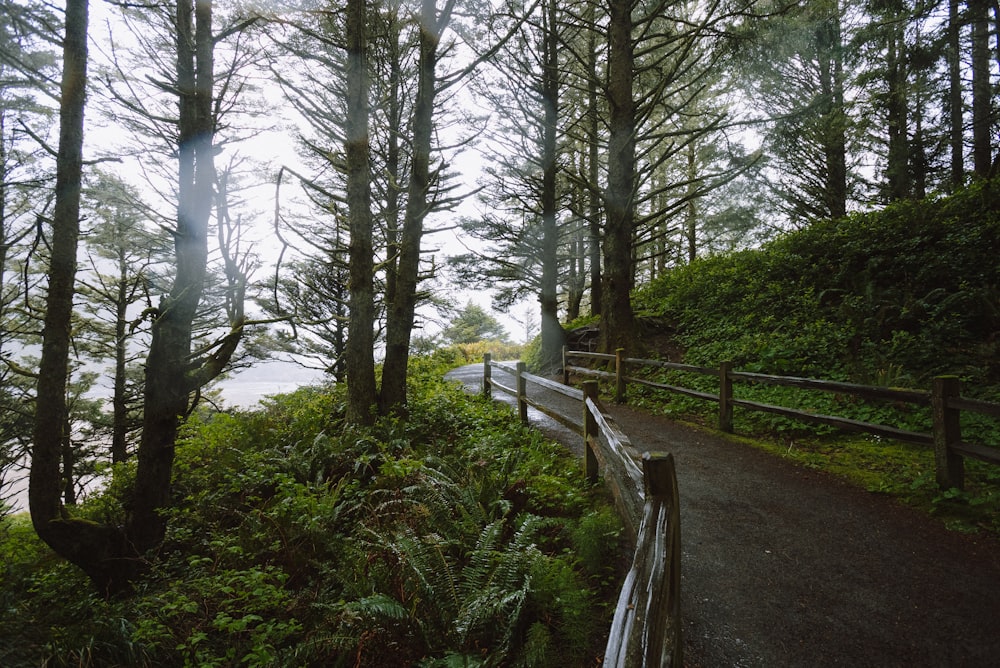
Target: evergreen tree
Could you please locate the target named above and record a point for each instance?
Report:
(27, 66)
(799, 82)
(522, 200)
(175, 370)
(115, 290)
(386, 153)
(472, 325)
(87, 545)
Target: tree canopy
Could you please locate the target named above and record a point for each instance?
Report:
(473, 325)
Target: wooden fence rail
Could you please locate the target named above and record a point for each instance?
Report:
(944, 399)
(646, 630)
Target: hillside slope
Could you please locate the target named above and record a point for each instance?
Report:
(893, 297)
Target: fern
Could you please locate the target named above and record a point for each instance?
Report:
(379, 607)
(477, 574)
(537, 646)
(498, 582)
(473, 602)
(426, 566)
(453, 661)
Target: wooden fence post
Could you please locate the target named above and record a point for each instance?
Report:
(725, 398)
(522, 393)
(620, 376)
(565, 365)
(591, 388)
(658, 474)
(664, 624)
(947, 432)
(487, 376)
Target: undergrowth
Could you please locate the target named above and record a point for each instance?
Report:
(456, 537)
(880, 465)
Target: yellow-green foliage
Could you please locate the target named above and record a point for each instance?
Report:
(471, 353)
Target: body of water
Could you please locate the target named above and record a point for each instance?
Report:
(251, 385)
(243, 390)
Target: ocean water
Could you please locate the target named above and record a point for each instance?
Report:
(242, 390)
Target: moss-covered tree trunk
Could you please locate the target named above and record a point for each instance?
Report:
(594, 226)
(982, 94)
(897, 112)
(552, 331)
(111, 555)
(169, 364)
(119, 397)
(96, 549)
(830, 45)
(956, 130)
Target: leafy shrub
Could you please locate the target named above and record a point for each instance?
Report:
(459, 354)
(890, 298)
(296, 539)
(912, 288)
(887, 298)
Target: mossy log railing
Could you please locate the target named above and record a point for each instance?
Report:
(646, 630)
(944, 399)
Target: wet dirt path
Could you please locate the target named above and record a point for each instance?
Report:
(784, 566)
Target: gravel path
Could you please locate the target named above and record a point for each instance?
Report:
(784, 566)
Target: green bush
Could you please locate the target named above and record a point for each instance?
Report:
(904, 294)
(453, 537)
(891, 298)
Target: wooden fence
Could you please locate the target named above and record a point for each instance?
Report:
(646, 630)
(944, 399)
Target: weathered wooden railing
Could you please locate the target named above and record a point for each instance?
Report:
(646, 630)
(944, 399)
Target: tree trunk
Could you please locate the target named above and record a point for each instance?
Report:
(897, 169)
(982, 98)
(393, 158)
(617, 318)
(168, 386)
(68, 463)
(995, 6)
(361, 390)
(919, 163)
(576, 269)
(552, 331)
(119, 399)
(399, 325)
(94, 548)
(831, 60)
(595, 241)
(955, 123)
(691, 215)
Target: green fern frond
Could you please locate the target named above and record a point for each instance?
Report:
(537, 646)
(425, 561)
(453, 661)
(453, 497)
(497, 583)
(478, 572)
(517, 559)
(379, 606)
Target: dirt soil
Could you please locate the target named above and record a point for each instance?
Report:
(785, 566)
